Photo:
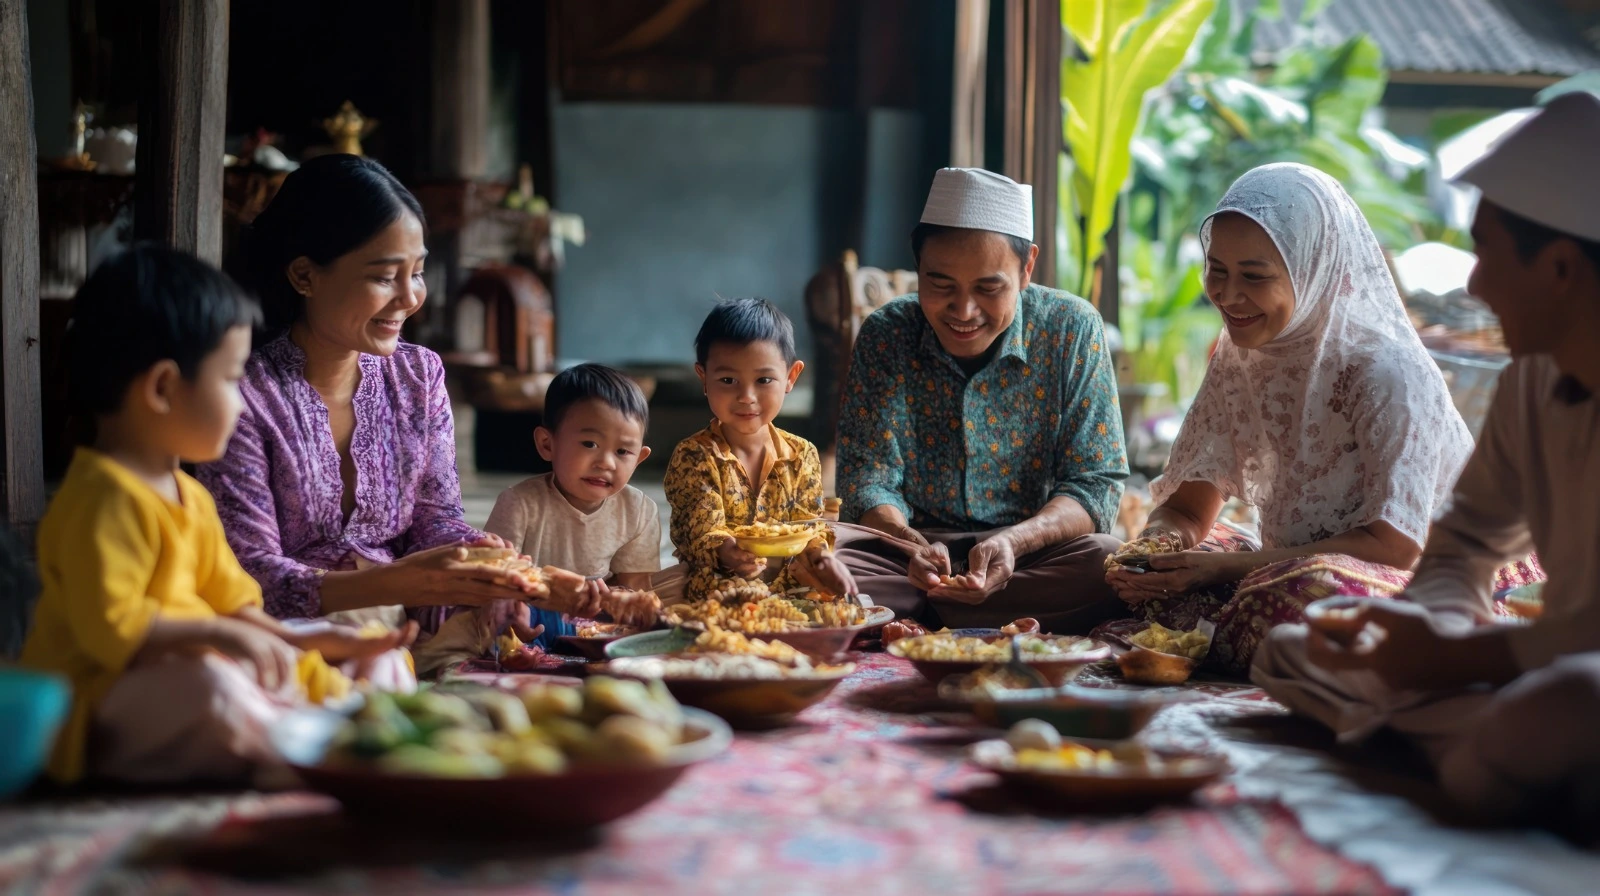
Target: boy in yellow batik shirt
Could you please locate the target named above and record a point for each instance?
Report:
(742, 469)
(176, 671)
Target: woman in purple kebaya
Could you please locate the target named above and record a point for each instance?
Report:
(339, 490)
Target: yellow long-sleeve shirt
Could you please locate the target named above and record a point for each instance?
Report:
(113, 555)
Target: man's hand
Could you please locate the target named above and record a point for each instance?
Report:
(928, 564)
(1394, 639)
(990, 565)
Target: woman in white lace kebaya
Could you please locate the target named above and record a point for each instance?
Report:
(1320, 407)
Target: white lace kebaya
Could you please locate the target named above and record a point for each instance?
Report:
(1343, 419)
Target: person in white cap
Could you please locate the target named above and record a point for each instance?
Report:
(1507, 714)
(980, 443)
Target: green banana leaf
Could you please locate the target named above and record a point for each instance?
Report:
(1128, 52)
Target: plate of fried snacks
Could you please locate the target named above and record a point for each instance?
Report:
(599, 751)
(777, 540)
(813, 623)
(751, 682)
(939, 655)
(1054, 774)
(1000, 698)
(1162, 656)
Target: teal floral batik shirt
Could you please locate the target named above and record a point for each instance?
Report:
(951, 451)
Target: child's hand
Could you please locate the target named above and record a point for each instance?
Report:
(571, 593)
(739, 561)
(340, 644)
(509, 615)
(272, 658)
(825, 572)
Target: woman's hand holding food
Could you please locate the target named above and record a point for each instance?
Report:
(990, 565)
(444, 576)
(738, 561)
(1177, 573)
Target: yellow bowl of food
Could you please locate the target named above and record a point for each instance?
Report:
(776, 540)
(1163, 656)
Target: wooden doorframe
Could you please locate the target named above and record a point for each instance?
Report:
(21, 436)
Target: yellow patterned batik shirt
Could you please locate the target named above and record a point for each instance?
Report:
(711, 494)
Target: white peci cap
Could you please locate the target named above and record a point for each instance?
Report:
(1545, 170)
(980, 200)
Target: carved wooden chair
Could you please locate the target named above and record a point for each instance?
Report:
(838, 299)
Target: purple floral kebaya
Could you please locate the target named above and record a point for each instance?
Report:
(278, 488)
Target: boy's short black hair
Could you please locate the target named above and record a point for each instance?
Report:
(594, 382)
(148, 304)
(742, 322)
(921, 233)
(1530, 237)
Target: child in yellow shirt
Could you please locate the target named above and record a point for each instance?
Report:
(742, 469)
(176, 670)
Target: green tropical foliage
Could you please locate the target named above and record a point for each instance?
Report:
(1218, 119)
(1125, 50)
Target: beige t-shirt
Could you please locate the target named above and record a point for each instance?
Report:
(1532, 483)
(623, 536)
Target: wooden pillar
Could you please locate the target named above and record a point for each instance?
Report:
(1043, 138)
(967, 104)
(177, 195)
(1033, 135)
(460, 145)
(21, 439)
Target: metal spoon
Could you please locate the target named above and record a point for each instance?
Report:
(1017, 667)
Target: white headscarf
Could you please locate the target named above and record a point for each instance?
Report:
(1343, 419)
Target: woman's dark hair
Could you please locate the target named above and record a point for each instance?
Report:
(149, 304)
(330, 206)
(1530, 237)
(921, 233)
(741, 322)
(594, 382)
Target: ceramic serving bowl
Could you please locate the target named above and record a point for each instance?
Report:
(1057, 670)
(744, 702)
(1109, 714)
(1140, 665)
(1123, 786)
(822, 643)
(587, 795)
(594, 647)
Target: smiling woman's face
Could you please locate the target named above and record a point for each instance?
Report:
(967, 284)
(1247, 280)
(360, 300)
